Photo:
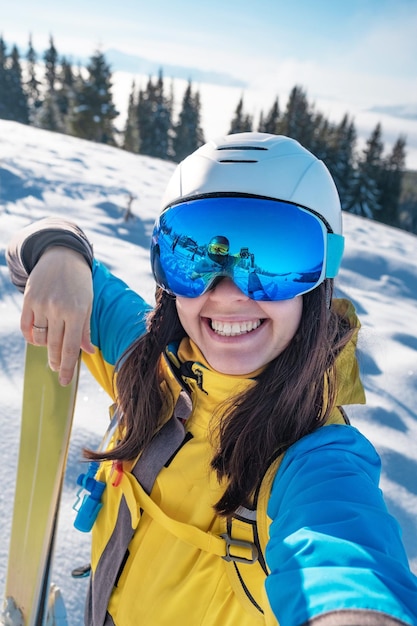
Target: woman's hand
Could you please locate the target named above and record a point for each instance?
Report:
(57, 307)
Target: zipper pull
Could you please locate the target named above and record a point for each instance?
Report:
(199, 378)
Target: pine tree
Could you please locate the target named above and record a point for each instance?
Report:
(13, 101)
(188, 132)
(162, 121)
(341, 158)
(321, 130)
(4, 105)
(296, 121)
(131, 130)
(51, 58)
(94, 110)
(365, 196)
(65, 93)
(390, 189)
(408, 202)
(49, 116)
(155, 119)
(18, 105)
(32, 85)
(145, 118)
(241, 122)
(270, 123)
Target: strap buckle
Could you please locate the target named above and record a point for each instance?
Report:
(238, 543)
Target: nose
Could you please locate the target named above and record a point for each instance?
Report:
(225, 288)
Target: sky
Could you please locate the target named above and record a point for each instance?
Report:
(352, 42)
(45, 173)
(348, 56)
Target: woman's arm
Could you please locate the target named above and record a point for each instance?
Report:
(74, 297)
(50, 261)
(58, 298)
(335, 553)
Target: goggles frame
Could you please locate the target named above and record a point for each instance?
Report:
(175, 255)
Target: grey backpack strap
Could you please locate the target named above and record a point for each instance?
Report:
(162, 447)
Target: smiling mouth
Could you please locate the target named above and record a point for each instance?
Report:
(234, 329)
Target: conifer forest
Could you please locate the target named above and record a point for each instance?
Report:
(46, 91)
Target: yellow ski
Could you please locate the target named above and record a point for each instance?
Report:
(47, 414)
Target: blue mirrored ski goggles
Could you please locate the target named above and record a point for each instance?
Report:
(272, 250)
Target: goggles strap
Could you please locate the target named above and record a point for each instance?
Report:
(335, 246)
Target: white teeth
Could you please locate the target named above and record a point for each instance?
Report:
(227, 329)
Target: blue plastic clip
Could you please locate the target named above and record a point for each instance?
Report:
(88, 504)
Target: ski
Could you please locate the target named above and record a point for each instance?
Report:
(47, 413)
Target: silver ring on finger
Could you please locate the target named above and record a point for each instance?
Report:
(40, 329)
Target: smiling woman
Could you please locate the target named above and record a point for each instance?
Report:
(236, 334)
(231, 451)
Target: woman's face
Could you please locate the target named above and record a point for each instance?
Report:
(238, 335)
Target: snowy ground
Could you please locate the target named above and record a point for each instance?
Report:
(43, 173)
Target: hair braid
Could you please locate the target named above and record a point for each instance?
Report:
(139, 396)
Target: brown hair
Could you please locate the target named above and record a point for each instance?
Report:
(297, 390)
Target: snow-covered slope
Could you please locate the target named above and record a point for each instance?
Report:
(43, 173)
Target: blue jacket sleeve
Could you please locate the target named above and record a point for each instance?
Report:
(334, 549)
(118, 316)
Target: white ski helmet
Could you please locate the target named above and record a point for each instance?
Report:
(258, 164)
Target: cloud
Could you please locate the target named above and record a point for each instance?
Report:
(389, 45)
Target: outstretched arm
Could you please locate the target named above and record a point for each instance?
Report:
(335, 553)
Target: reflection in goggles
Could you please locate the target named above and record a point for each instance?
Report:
(218, 248)
(271, 250)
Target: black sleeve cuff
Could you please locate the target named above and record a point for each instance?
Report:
(28, 245)
(36, 244)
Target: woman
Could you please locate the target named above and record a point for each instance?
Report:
(235, 490)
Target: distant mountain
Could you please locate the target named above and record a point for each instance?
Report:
(404, 111)
(133, 64)
(120, 61)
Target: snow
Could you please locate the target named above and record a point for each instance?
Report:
(43, 173)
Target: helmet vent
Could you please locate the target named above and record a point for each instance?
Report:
(238, 161)
(242, 147)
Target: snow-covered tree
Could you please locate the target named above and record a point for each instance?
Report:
(3, 80)
(131, 130)
(65, 92)
(297, 119)
(155, 119)
(365, 195)
(49, 115)
(94, 110)
(161, 120)
(188, 131)
(341, 158)
(51, 59)
(32, 85)
(392, 174)
(13, 100)
(269, 123)
(241, 122)
(19, 110)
